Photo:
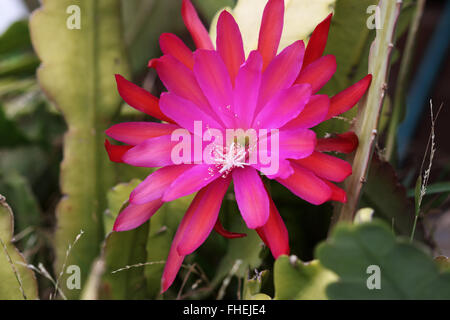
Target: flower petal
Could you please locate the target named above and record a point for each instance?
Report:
(318, 73)
(281, 72)
(297, 143)
(174, 259)
(246, 89)
(229, 43)
(196, 28)
(345, 100)
(191, 181)
(274, 233)
(137, 132)
(337, 194)
(214, 80)
(154, 186)
(318, 41)
(326, 166)
(205, 207)
(284, 169)
(115, 153)
(270, 30)
(313, 113)
(139, 99)
(225, 233)
(136, 214)
(283, 107)
(174, 46)
(179, 79)
(306, 185)
(153, 152)
(186, 113)
(251, 197)
(345, 143)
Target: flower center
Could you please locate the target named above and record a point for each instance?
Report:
(230, 157)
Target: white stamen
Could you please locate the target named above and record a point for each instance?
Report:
(232, 157)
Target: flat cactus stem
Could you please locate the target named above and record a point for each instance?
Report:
(369, 108)
(77, 74)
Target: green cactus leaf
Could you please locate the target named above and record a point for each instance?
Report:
(17, 281)
(77, 74)
(163, 226)
(122, 249)
(300, 281)
(369, 256)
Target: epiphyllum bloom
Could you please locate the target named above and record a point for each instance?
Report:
(222, 88)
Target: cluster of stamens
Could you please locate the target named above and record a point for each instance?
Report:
(230, 157)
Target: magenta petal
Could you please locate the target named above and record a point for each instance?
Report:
(136, 132)
(212, 76)
(306, 185)
(284, 170)
(136, 214)
(271, 29)
(179, 79)
(251, 197)
(283, 107)
(205, 211)
(274, 233)
(185, 112)
(314, 113)
(154, 152)
(318, 73)
(246, 89)
(155, 184)
(281, 72)
(191, 181)
(297, 143)
(229, 43)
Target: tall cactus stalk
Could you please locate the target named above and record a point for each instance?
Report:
(77, 74)
(370, 107)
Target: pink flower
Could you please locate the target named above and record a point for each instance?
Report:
(225, 90)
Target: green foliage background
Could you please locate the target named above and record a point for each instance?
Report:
(56, 176)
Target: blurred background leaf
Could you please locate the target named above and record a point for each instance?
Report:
(406, 270)
(18, 282)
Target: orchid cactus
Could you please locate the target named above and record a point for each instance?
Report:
(217, 89)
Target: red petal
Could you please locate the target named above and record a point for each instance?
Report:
(345, 143)
(306, 185)
(136, 132)
(318, 73)
(337, 194)
(270, 31)
(171, 44)
(345, 100)
(139, 99)
(116, 153)
(326, 166)
(195, 26)
(229, 43)
(205, 211)
(318, 41)
(274, 233)
(174, 260)
(225, 233)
